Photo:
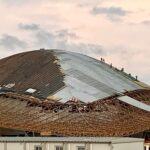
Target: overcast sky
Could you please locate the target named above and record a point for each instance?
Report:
(117, 30)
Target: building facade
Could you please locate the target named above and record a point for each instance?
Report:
(147, 145)
(70, 143)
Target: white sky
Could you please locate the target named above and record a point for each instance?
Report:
(118, 30)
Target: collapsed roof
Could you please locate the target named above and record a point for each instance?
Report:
(60, 92)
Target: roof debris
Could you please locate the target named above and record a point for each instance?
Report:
(66, 93)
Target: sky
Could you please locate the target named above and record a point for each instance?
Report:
(116, 30)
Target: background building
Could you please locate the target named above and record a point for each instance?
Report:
(71, 143)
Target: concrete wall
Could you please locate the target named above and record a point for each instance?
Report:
(128, 146)
(71, 146)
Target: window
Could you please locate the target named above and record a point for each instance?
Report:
(38, 148)
(58, 148)
(81, 148)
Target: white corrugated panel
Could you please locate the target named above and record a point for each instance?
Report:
(88, 79)
(134, 103)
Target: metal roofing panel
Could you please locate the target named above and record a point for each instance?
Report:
(134, 102)
(82, 70)
(64, 75)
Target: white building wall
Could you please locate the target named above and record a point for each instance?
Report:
(52, 145)
(15, 146)
(30, 146)
(72, 146)
(1, 146)
(128, 146)
(100, 147)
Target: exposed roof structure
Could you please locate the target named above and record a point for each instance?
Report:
(66, 93)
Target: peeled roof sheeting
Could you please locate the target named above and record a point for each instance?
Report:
(91, 73)
(134, 102)
(63, 75)
(107, 117)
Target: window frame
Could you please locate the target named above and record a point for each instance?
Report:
(37, 147)
(78, 147)
(58, 146)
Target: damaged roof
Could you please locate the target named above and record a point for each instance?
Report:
(63, 75)
(56, 92)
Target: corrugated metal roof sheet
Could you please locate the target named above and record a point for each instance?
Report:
(134, 102)
(88, 79)
(63, 75)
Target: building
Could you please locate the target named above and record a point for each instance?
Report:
(70, 143)
(147, 145)
(60, 93)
